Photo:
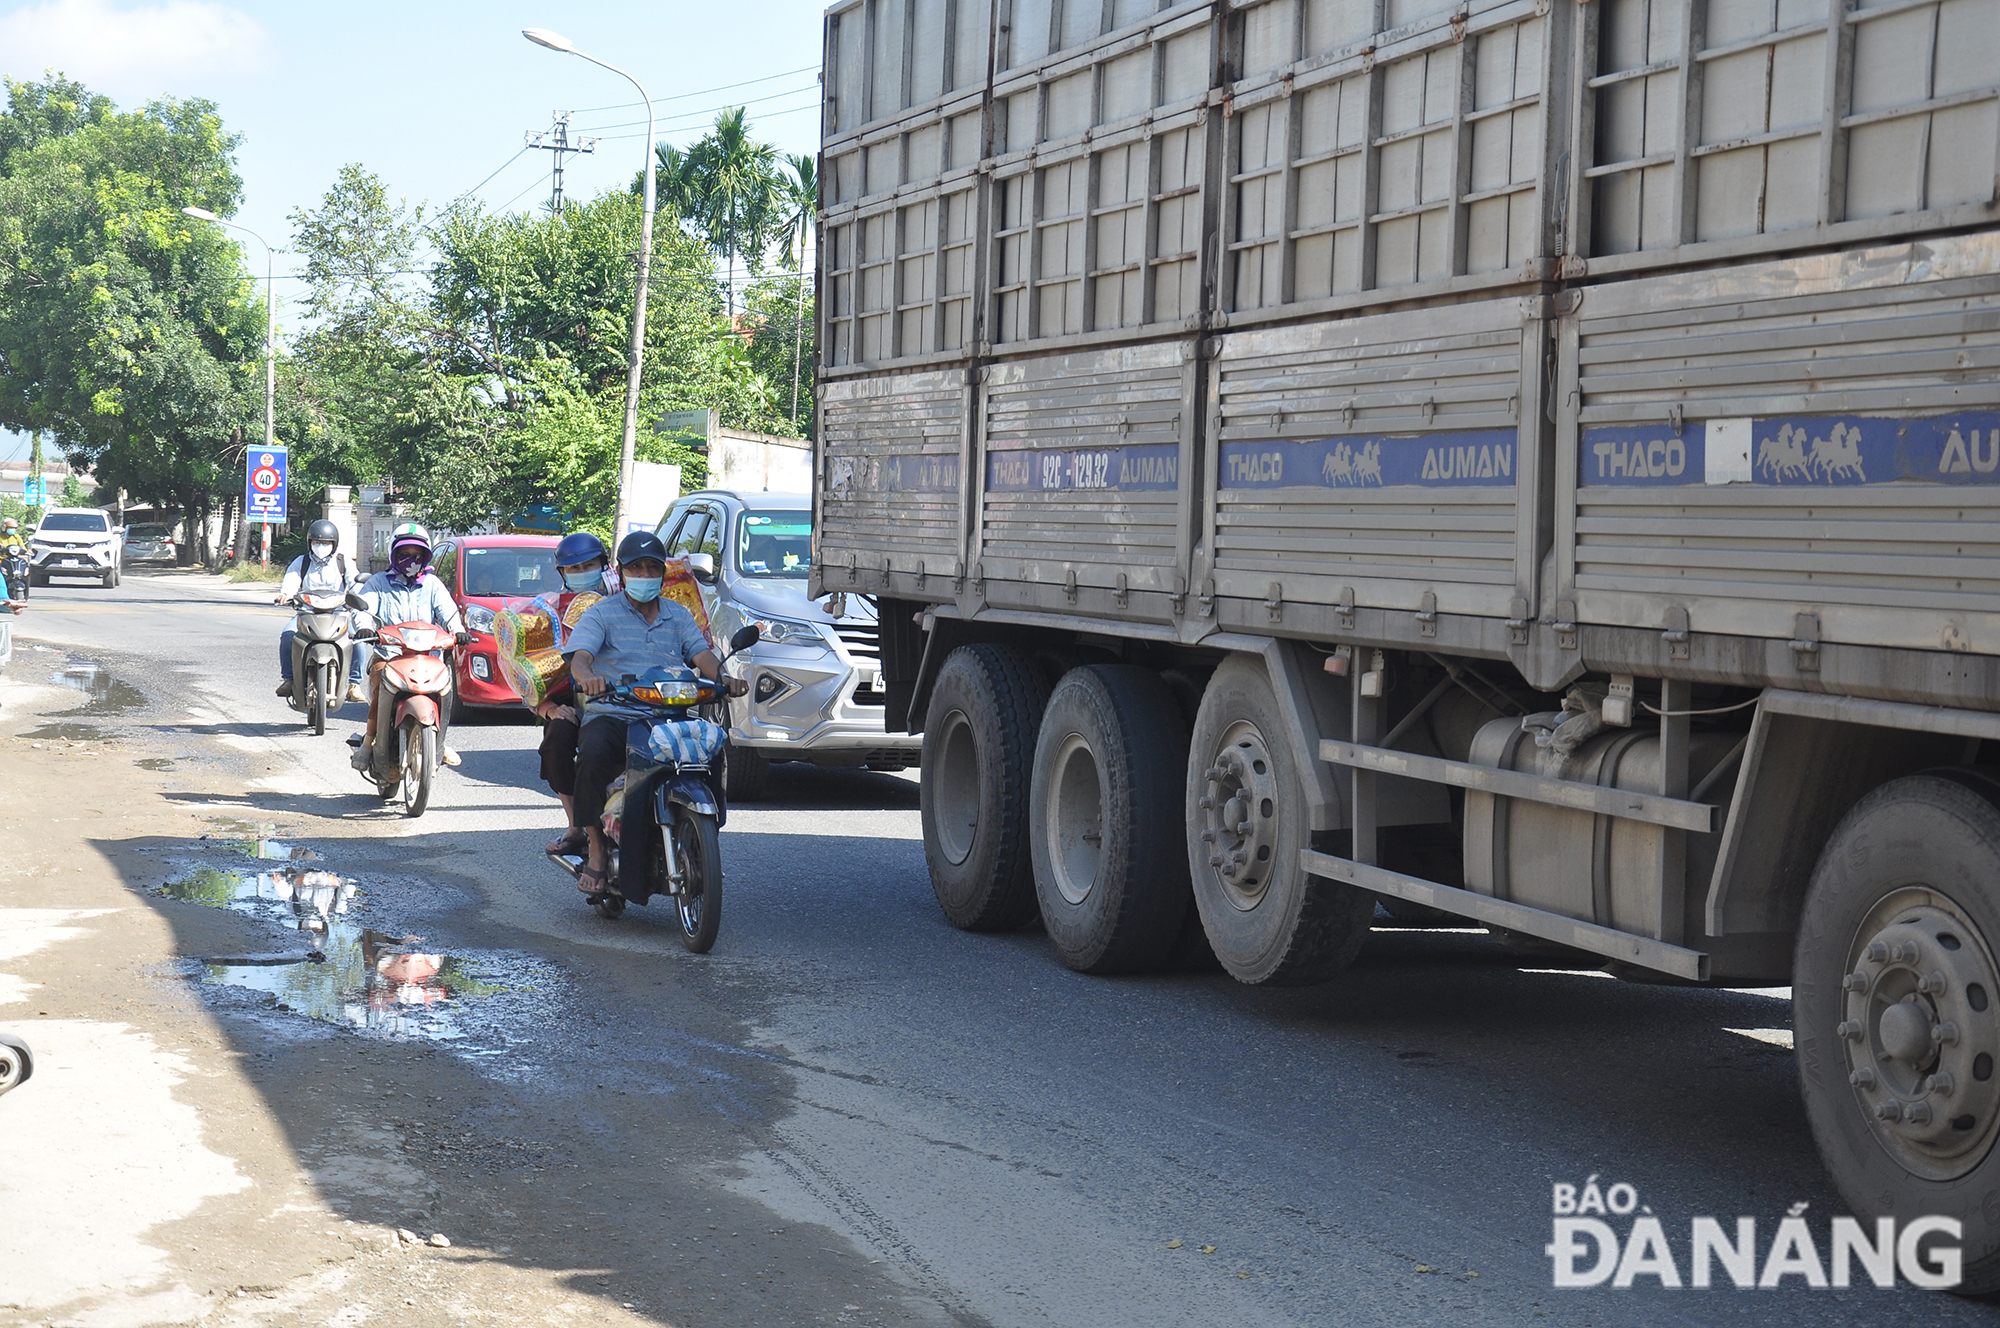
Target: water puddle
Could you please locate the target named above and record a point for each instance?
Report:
(108, 696)
(354, 976)
(154, 763)
(253, 840)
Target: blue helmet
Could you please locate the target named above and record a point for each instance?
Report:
(580, 548)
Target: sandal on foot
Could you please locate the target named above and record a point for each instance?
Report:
(570, 845)
(586, 875)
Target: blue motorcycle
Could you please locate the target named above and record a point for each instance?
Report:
(664, 813)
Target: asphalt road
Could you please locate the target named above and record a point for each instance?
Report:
(849, 1111)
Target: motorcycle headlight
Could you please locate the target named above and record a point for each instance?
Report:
(785, 632)
(668, 693)
(479, 618)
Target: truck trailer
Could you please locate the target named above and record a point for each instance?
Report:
(1528, 461)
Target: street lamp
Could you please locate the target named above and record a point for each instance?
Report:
(628, 444)
(270, 341)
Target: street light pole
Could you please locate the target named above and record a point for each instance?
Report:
(628, 444)
(270, 341)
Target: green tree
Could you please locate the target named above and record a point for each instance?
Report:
(797, 198)
(130, 334)
(497, 379)
(726, 188)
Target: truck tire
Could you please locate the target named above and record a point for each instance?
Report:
(1104, 804)
(979, 747)
(1896, 1008)
(1268, 921)
(746, 773)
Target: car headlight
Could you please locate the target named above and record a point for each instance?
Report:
(479, 618)
(785, 632)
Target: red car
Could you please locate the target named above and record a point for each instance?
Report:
(483, 573)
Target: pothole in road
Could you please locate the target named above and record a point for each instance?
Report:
(359, 977)
(155, 763)
(108, 695)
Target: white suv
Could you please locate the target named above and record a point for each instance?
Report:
(74, 541)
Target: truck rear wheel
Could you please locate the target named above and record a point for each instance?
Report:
(1103, 811)
(1896, 1008)
(1268, 921)
(979, 746)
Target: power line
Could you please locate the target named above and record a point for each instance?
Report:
(723, 106)
(489, 179)
(703, 92)
(681, 129)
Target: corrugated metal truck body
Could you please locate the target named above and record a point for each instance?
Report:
(1413, 405)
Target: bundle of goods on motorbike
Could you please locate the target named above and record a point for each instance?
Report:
(525, 630)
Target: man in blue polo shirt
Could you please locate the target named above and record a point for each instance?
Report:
(627, 633)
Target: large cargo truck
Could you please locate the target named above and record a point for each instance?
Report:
(1529, 461)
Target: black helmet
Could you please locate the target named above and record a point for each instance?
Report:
(323, 531)
(640, 544)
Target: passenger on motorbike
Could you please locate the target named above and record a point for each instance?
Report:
(321, 570)
(407, 592)
(630, 632)
(580, 562)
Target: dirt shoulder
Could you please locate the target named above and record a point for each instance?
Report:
(170, 1163)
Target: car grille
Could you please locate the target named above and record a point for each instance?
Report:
(862, 640)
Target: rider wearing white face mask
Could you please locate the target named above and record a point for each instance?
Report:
(321, 570)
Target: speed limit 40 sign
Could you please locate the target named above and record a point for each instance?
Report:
(264, 485)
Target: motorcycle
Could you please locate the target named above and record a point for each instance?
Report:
(14, 567)
(322, 652)
(662, 823)
(410, 689)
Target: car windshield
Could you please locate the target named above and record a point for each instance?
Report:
(76, 521)
(507, 573)
(147, 533)
(774, 543)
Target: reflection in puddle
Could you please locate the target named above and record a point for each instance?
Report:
(252, 838)
(354, 976)
(107, 694)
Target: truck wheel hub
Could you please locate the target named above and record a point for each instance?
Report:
(1918, 1027)
(1239, 810)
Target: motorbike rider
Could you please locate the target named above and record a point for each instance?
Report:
(580, 562)
(11, 546)
(630, 632)
(321, 570)
(409, 591)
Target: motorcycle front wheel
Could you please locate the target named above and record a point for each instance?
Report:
(317, 697)
(419, 765)
(698, 855)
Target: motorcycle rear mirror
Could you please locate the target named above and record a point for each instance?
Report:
(355, 601)
(745, 637)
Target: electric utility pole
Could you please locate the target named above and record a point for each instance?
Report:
(556, 139)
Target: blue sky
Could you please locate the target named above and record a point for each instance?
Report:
(432, 95)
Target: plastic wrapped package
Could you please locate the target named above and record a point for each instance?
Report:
(530, 646)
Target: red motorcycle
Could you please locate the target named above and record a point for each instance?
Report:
(411, 688)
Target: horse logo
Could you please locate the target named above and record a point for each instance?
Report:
(1839, 455)
(1784, 455)
(1344, 465)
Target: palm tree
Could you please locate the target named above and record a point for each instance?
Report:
(797, 195)
(725, 188)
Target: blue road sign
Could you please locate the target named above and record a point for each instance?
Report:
(264, 485)
(35, 491)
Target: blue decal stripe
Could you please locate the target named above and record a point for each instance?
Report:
(1154, 467)
(1469, 458)
(1796, 451)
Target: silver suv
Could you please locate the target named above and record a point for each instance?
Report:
(815, 680)
(74, 541)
